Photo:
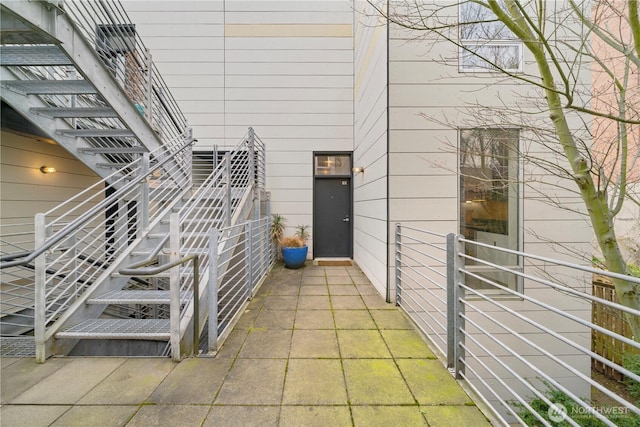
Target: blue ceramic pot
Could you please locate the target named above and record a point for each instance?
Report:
(294, 257)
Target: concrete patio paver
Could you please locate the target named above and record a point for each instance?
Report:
(316, 346)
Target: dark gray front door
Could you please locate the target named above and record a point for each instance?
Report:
(332, 219)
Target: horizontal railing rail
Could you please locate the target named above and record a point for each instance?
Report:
(242, 255)
(519, 337)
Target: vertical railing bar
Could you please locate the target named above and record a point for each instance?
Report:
(143, 210)
(174, 286)
(40, 291)
(227, 201)
(451, 313)
(213, 290)
(196, 304)
(459, 307)
(247, 258)
(398, 266)
(149, 65)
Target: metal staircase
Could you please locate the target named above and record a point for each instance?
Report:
(80, 73)
(145, 264)
(143, 256)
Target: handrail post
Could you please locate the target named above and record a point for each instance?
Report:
(227, 211)
(267, 214)
(455, 306)
(188, 156)
(40, 291)
(149, 65)
(196, 305)
(213, 290)
(251, 147)
(264, 247)
(174, 285)
(398, 266)
(143, 198)
(248, 243)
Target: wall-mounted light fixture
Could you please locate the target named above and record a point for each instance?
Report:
(357, 169)
(47, 169)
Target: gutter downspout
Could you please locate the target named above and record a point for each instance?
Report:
(388, 296)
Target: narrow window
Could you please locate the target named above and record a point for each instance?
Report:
(489, 201)
(487, 44)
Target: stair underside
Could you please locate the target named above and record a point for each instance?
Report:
(33, 55)
(139, 329)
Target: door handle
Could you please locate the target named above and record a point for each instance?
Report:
(345, 219)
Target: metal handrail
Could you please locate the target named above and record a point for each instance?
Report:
(142, 269)
(82, 219)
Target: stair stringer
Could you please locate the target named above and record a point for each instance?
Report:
(24, 103)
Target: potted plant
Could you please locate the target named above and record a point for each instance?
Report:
(276, 231)
(295, 249)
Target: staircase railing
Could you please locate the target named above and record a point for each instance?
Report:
(223, 199)
(107, 25)
(243, 255)
(77, 238)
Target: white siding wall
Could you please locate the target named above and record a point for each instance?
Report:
(27, 191)
(284, 68)
(428, 100)
(370, 145)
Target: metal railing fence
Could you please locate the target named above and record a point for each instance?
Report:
(77, 240)
(222, 200)
(524, 349)
(243, 255)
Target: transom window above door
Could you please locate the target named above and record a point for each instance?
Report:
(332, 165)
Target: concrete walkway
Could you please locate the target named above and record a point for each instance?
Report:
(317, 347)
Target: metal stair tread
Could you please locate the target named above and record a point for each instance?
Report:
(33, 55)
(118, 165)
(50, 87)
(150, 329)
(136, 297)
(96, 133)
(17, 346)
(114, 150)
(68, 112)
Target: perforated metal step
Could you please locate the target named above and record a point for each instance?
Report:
(140, 329)
(75, 112)
(136, 297)
(50, 87)
(33, 55)
(96, 133)
(114, 150)
(17, 346)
